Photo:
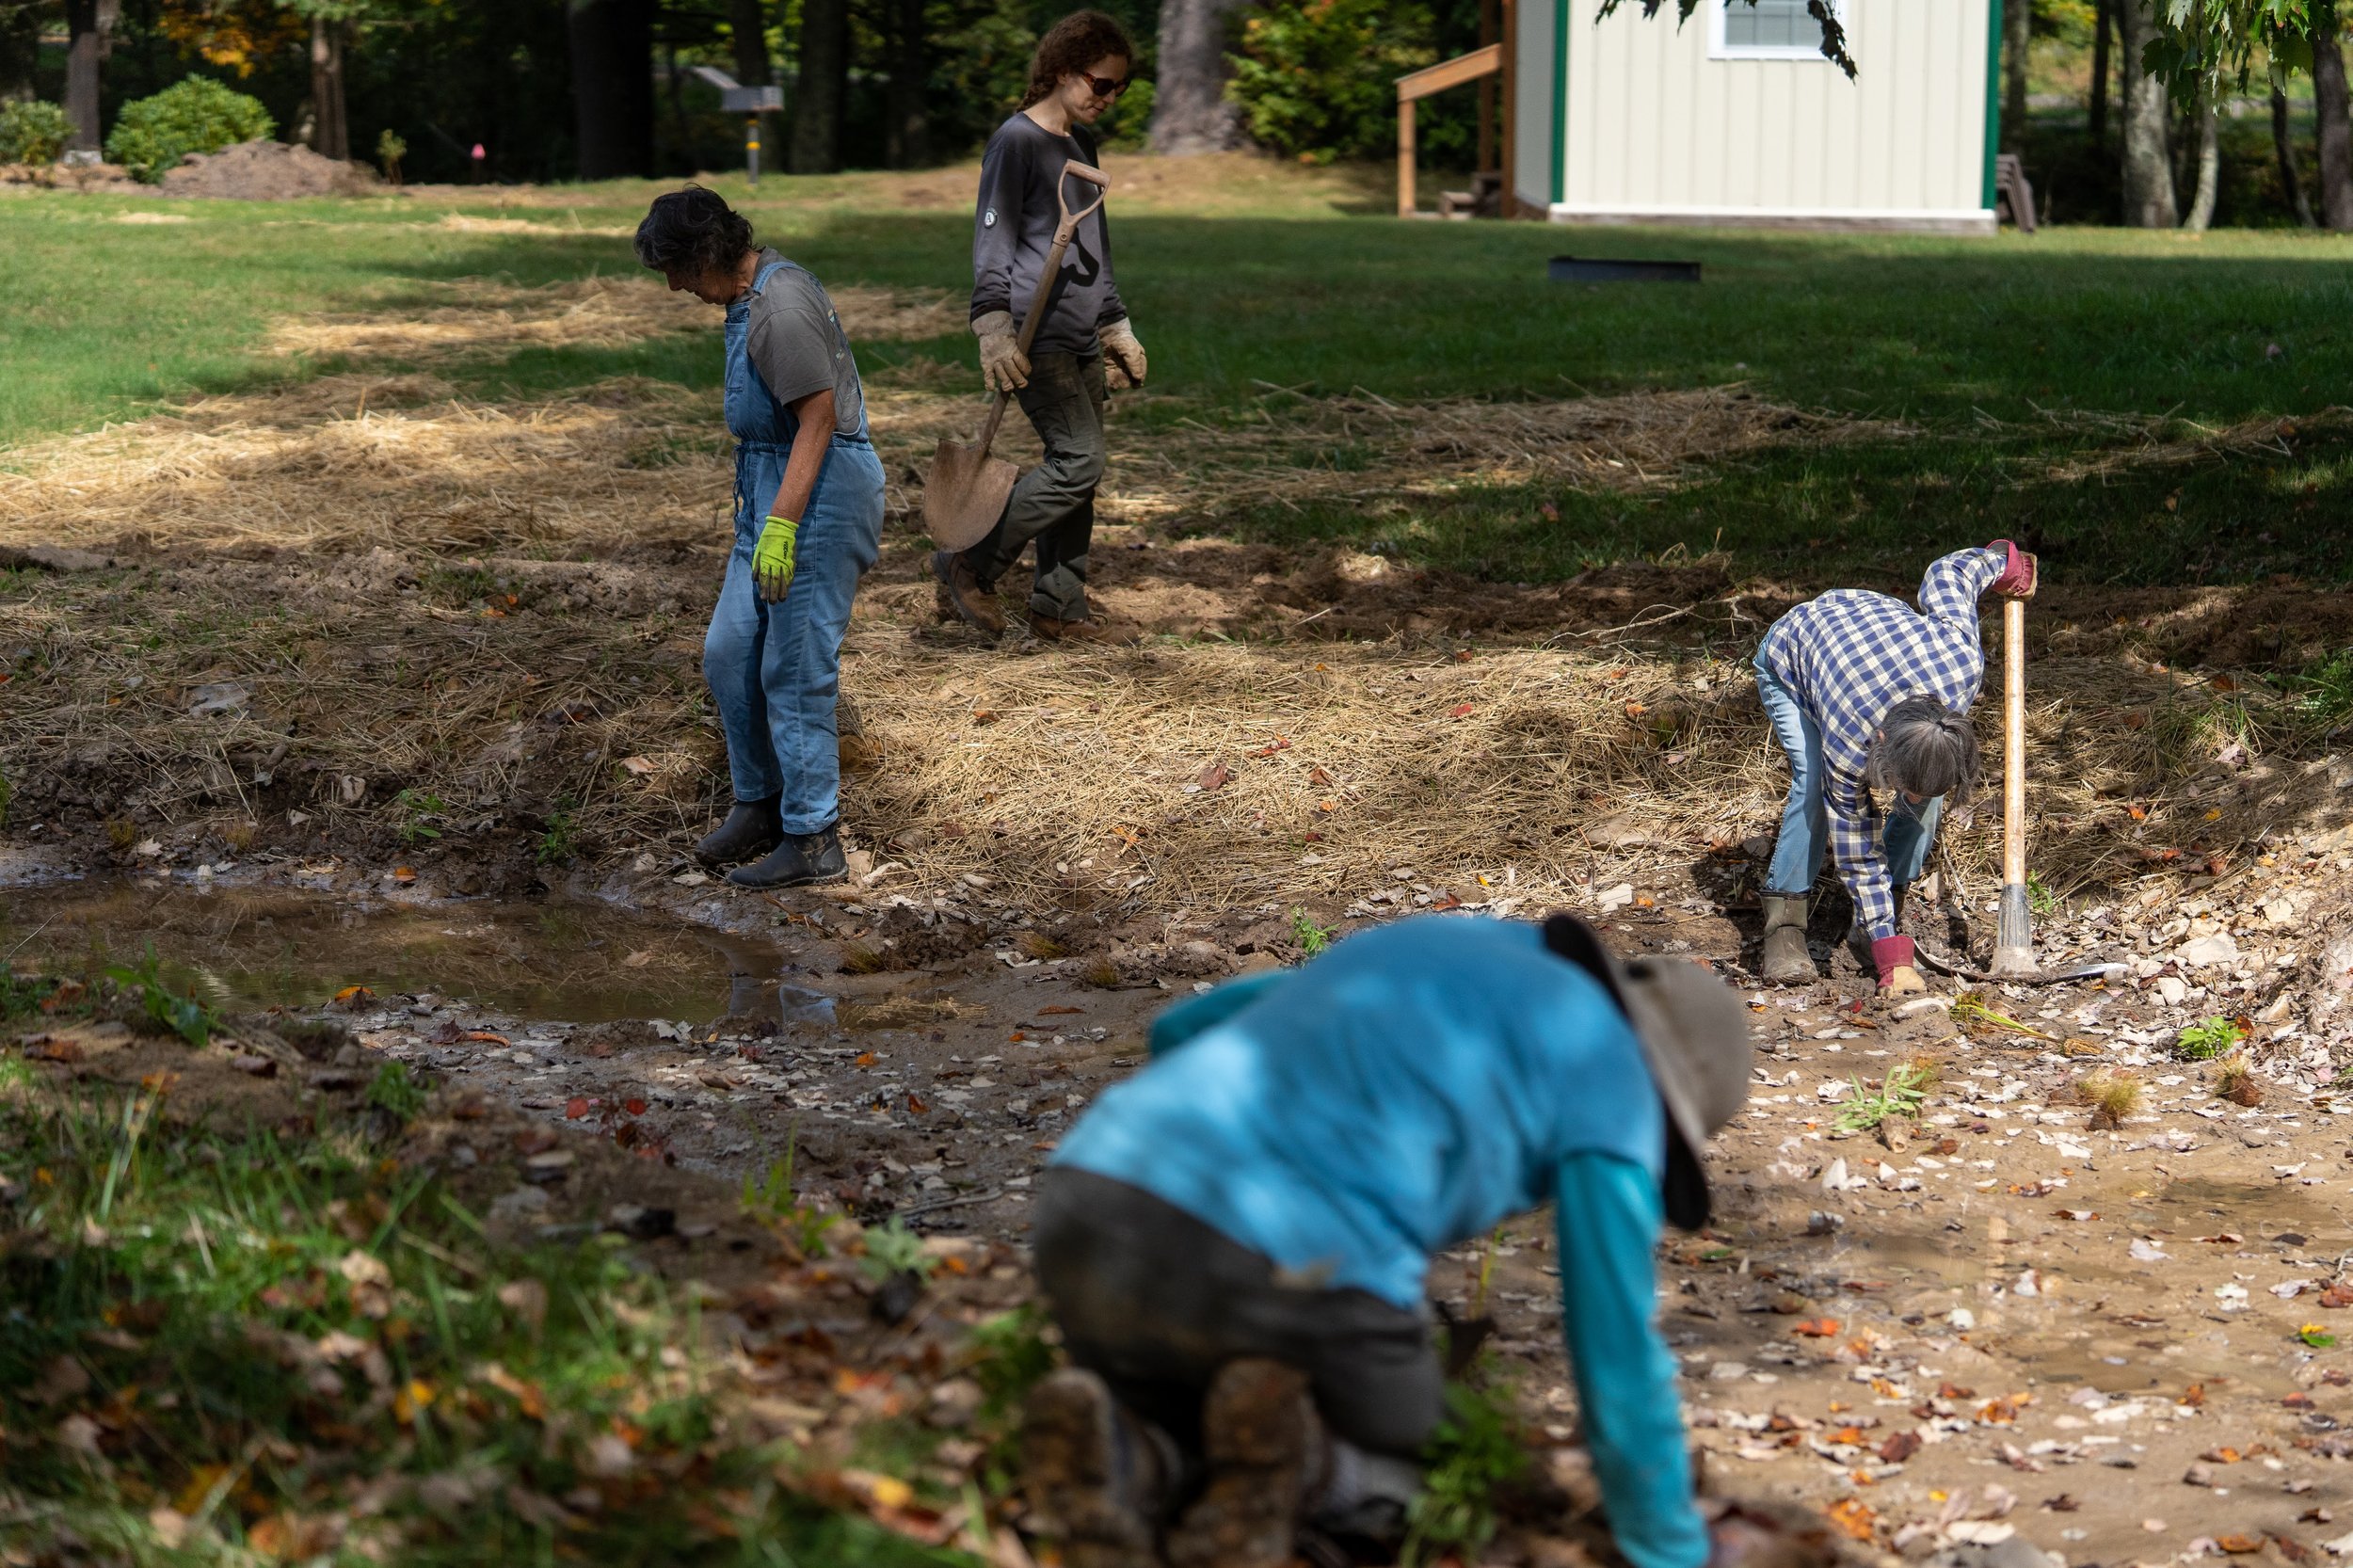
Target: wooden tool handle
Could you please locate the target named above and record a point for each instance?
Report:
(1063, 232)
(2014, 743)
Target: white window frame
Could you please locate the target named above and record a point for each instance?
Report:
(1717, 49)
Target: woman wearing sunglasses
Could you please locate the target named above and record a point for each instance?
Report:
(1081, 67)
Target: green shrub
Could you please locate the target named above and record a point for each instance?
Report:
(32, 132)
(1315, 79)
(197, 115)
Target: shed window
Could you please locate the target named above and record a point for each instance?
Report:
(1766, 30)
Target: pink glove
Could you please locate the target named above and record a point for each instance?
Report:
(1889, 954)
(2018, 574)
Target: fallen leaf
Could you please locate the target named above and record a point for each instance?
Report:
(486, 1037)
(575, 1108)
(1853, 1515)
(404, 873)
(1816, 1328)
(1464, 709)
(2240, 1545)
(352, 996)
(1213, 776)
(1058, 1011)
(1899, 1446)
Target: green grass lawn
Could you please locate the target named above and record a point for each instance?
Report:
(1994, 351)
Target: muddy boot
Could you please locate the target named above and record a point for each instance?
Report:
(800, 860)
(1098, 1474)
(1107, 634)
(1787, 960)
(961, 596)
(1263, 1441)
(750, 831)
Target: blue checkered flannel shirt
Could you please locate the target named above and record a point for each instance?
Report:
(1848, 656)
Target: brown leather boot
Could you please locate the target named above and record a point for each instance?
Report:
(1262, 1439)
(961, 596)
(1098, 1476)
(1107, 634)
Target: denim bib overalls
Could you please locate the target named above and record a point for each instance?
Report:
(774, 670)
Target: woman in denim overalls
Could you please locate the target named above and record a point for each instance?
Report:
(809, 508)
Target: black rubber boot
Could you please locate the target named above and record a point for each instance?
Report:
(801, 860)
(749, 832)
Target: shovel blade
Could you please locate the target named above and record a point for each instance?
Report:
(965, 494)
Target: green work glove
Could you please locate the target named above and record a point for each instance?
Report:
(772, 558)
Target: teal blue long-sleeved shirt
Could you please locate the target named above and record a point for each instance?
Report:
(1405, 1093)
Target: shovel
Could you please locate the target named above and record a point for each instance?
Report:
(2013, 940)
(965, 493)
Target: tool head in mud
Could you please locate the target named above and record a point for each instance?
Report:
(1694, 1035)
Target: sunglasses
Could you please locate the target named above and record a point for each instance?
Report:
(1105, 87)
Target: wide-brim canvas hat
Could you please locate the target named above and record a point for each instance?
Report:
(1693, 1030)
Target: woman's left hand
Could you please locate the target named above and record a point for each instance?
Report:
(1126, 353)
(772, 558)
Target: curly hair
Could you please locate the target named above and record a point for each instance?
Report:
(1069, 46)
(693, 232)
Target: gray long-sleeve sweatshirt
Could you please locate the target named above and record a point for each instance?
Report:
(1012, 228)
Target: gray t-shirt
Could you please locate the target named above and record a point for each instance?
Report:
(797, 343)
(1012, 228)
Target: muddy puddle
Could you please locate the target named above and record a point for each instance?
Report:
(249, 949)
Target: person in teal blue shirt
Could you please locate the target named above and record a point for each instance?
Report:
(1234, 1242)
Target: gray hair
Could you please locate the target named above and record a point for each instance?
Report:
(1926, 748)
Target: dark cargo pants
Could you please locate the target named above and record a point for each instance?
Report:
(1155, 1301)
(1053, 505)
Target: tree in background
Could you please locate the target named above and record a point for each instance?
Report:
(1313, 81)
(821, 88)
(89, 26)
(1191, 113)
(2148, 171)
(2198, 49)
(612, 56)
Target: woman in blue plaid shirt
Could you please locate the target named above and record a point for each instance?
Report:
(1865, 692)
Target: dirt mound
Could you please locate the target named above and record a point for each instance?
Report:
(265, 170)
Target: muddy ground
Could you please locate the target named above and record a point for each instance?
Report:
(365, 684)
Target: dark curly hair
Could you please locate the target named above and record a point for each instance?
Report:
(1069, 46)
(693, 232)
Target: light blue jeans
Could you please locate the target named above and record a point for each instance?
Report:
(1805, 821)
(774, 670)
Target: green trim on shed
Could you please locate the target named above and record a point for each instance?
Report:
(1560, 101)
(1992, 92)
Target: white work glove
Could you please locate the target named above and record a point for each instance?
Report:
(1128, 364)
(1003, 367)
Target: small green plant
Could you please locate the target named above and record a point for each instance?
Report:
(891, 1248)
(2038, 895)
(32, 132)
(419, 812)
(198, 115)
(390, 150)
(771, 1201)
(1474, 1454)
(1312, 77)
(2317, 1337)
(15, 1073)
(169, 1011)
(2324, 692)
(396, 1092)
(560, 840)
(2112, 1096)
(2203, 1041)
(2234, 1079)
(1312, 939)
(1902, 1093)
(8, 793)
(21, 996)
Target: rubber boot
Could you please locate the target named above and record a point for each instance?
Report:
(961, 596)
(1787, 960)
(1098, 1476)
(800, 860)
(750, 831)
(1262, 1439)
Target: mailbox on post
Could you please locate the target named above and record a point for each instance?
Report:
(751, 103)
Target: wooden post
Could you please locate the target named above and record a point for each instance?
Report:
(1507, 94)
(1405, 157)
(1487, 27)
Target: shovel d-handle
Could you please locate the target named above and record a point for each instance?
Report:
(2013, 941)
(1052, 269)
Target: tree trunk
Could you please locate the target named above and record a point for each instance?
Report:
(2329, 105)
(2209, 166)
(89, 26)
(748, 24)
(20, 51)
(822, 87)
(331, 138)
(2147, 173)
(908, 133)
(2284, 146)
(2104, 24)
(611, 54)
(2017, 24)
(1189, 109)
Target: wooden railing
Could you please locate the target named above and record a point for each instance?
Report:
(1422, 84)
